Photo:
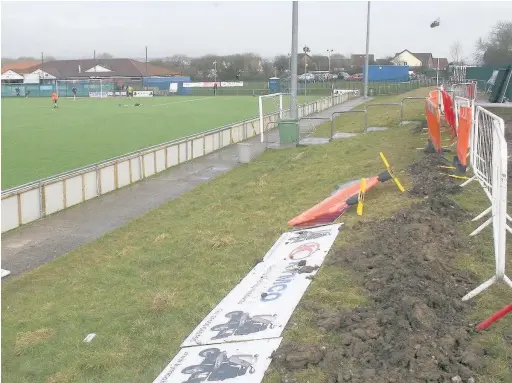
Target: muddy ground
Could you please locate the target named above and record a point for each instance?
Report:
(415, 327)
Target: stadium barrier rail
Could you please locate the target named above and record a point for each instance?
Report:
(35, 200)
(488, 159)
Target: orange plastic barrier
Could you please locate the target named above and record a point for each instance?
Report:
(434, 120)
(332, 207)
(465, 120)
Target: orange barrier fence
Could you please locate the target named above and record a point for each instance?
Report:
(464, 130)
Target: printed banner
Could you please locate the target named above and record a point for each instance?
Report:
(211, 84)
(237, 362)
(142, 93)
(231, 84)
(260, 306)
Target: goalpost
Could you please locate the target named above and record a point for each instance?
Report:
(84, 88)
(277, 99)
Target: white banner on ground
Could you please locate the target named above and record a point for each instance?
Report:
(5, 273)
(237, 362)
(260, 306)
(142, 93)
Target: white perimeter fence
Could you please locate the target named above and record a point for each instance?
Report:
(488, 155)
(35, 200)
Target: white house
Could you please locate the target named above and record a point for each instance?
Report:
(413, 60)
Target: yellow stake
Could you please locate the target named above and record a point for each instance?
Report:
(454, 176)
(360, 198)
(397, 182)
(447, 167)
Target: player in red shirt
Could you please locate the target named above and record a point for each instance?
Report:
(55, 98)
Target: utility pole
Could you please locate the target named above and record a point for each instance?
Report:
(215, 71)
(42, 58)
(94, 55)
(329, 52)
(367, 57)
(294, 111)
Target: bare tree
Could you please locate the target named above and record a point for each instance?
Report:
(496, 49)
(456, 52)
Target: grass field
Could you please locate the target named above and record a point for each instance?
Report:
(38, 142)
(144, 287)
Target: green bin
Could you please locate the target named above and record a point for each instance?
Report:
(288, 131)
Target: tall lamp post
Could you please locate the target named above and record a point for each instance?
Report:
(366, 59)
(294, 110)
(215, 71)
(329, 52)
(435, 24)
(306, 50)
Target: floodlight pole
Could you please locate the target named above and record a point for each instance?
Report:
(434, 25)
(215, 71)
(294, 111)
(329, 52)
(366, 59)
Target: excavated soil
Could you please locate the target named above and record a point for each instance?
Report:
(414, 327)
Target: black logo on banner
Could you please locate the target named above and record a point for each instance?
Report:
(217, 366)
(305, 235)
(241, 323)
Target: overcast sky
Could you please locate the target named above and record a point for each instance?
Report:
(75, 29)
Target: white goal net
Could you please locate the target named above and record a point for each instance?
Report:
(96, 88)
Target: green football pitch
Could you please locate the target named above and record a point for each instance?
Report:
(39, 142)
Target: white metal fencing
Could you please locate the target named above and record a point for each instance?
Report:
(35, 200)
(488, 156)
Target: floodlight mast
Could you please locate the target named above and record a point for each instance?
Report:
(434, 24)
(294, 112)
(367, 58)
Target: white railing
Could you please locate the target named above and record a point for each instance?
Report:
(488, 156)
(35, 200)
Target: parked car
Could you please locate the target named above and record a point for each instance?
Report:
(306, 77)
(343, 76)
(356, 77)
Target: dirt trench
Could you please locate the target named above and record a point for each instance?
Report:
(414, 329)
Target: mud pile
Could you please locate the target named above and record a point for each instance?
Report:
(414, 328)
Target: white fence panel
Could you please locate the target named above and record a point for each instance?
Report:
(107, 179)
(30, 206)
(209, 143)
(172, 155)
(235, 133)
(136, 173)
(91, 186)
(54, 197)
(197, 147)
(148, 161)
(123, 173)
(189, 150)
(226, 137)
(160, 160)
(10, 218)
(74, 191)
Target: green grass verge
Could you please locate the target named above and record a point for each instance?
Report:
(144, 287)
(38, 141)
